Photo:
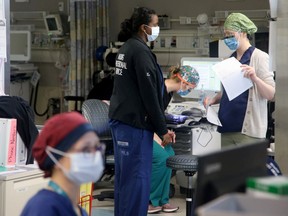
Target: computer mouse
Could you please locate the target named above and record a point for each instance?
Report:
(196, 112)
(193, 123)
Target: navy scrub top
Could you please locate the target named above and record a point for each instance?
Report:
(232, 113)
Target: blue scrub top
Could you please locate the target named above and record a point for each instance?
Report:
(232, 113)
(48, 203)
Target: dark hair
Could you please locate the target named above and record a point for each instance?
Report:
(141, 15)
(249, 37)
(125, 32)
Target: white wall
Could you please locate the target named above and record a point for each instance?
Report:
(122, 9)
(281, 101)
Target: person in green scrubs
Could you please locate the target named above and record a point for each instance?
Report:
(181, 80)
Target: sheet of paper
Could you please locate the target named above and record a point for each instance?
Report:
(2, 8)
(3, 44)
(231, 76)
(212, 116)
(2, 92)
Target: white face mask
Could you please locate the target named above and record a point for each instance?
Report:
(84, 167)
(154, 33)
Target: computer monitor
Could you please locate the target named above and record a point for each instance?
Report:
(20, 46)
(208, 79)
(227, 170)
(56, 24)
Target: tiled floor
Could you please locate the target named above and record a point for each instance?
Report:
(106, 208)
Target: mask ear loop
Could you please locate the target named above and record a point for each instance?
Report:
(181, 85)
(238, 33)
(181, 80)
(145, 30)
(48, 150)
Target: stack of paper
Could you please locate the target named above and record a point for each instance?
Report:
(232, 78)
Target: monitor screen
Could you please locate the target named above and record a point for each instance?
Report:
(53, 24)
(20, 45)
(226, 171)
(208, 79)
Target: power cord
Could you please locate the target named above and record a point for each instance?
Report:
(35, 100)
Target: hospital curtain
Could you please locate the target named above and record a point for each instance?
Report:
(89, 28)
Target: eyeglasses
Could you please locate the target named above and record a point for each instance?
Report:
(86, 151)
(90, 149)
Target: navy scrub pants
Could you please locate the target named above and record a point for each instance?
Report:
(133, 149)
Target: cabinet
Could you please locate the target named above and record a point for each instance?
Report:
(17, 188)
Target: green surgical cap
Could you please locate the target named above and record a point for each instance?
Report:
(239, 22)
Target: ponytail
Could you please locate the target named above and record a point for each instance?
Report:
(126, 30)
(173, 71)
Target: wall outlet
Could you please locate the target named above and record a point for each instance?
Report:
(61, 6)
(35, 78)
(188, 20)
(183, 20)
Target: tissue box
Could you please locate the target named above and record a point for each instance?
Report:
(271, 186)
(8, 137)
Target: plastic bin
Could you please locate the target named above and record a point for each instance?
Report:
(243, 205)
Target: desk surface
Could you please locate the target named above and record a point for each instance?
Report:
(20, 172)
(178, 108)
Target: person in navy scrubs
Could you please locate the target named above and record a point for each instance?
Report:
(136, 112)
(69, 152)
(244, 118)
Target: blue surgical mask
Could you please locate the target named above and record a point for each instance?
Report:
(183, 92)
(154, 33)
(232, 43)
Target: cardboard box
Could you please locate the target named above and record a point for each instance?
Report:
(8, 137)
(17, 187)
(243, 205)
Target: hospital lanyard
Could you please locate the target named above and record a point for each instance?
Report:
(57, 189)
(60, 191)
